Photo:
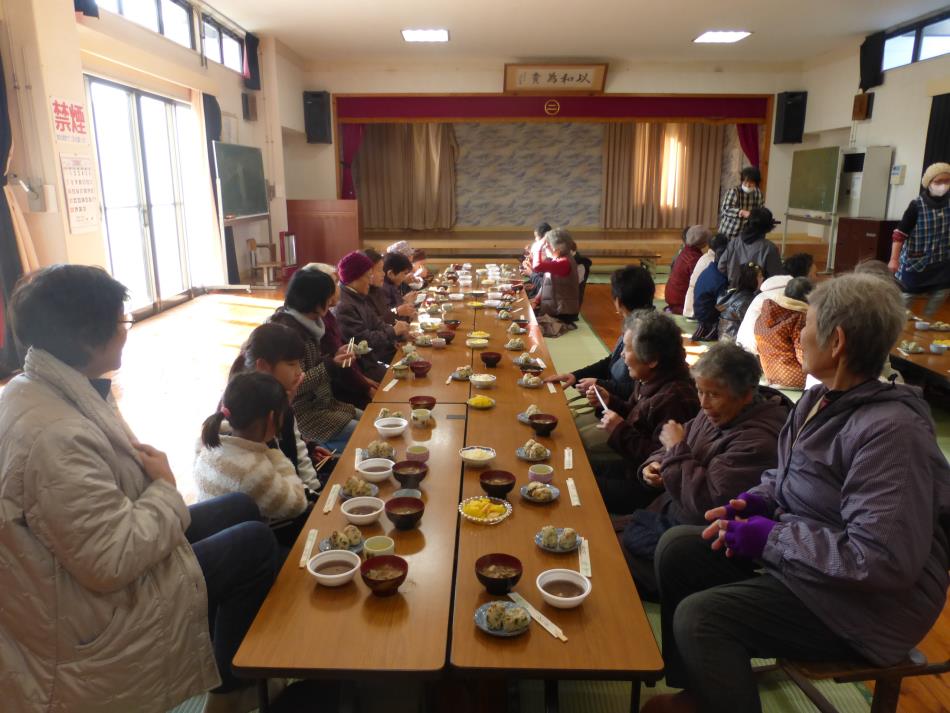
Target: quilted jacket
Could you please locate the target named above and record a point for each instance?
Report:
(104, 607)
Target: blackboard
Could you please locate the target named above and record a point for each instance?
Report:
(241, 175)
(815, 177)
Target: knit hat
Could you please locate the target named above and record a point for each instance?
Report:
(353, 266)
(401, 247)
(934, 170)
(698, 235)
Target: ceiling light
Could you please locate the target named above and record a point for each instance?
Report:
(425, 35)
(722, 36)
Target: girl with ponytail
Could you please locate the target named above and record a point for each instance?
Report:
(234, 455)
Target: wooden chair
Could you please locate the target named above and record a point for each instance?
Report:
(887, 680)
(269, 268)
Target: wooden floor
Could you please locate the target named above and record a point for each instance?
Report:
(929, 694)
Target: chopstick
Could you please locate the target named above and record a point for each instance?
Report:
(324, 460)
(600, 398)
(349, 350)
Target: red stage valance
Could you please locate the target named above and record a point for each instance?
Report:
(471, 107)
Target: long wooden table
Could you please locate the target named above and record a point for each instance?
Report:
(308, 631)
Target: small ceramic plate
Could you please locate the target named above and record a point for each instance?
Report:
(522, 383)
(557, 550)
(556, 491)
(373, 492)
(325, 546)
(456, 377)
(524, 456)
(523, 418)
(514, 349)
(486, 520)
(481, 623)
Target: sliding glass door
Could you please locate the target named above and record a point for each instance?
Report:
(140, 167)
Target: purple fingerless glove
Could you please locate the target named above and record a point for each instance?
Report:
(754, 505)
(747, 538)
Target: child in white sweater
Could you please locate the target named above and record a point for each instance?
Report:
(252, 410)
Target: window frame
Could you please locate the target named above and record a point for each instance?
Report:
(222, 32)
(189, 8)
(918, 29)
(184, 4)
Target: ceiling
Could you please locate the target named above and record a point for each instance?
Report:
(368, 31)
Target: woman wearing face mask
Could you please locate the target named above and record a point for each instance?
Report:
(920, 251)
(739, 200)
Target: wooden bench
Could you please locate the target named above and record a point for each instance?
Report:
(887, 679)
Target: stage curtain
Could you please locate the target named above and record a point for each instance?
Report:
(660, 175)
(352, 138)
(405, 176)
(749, 141)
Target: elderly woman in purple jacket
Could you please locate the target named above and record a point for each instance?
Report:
(839, 552)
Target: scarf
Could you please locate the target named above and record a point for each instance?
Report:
(317, 329)
(79, 391)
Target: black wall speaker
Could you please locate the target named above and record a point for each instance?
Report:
(790, 117)
(316, 117)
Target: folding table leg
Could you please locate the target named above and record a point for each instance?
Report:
(634, 697)
(263, 699)
(551, 704)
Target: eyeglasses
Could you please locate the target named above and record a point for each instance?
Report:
(127, 322)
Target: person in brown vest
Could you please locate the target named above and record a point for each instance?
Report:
(559, 296)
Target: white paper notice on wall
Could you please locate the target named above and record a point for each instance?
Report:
(82, 194)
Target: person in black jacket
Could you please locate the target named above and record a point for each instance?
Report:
(632, 289)
(736, 301)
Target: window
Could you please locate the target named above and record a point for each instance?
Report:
(221, 45)
(899, 50)
(212, 37)
(177, 23)
(935, 39)
(172, 18)
(923, 39)
(143, 12)
(233, 53)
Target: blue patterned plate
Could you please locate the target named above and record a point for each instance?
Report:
(556, 550)
(524, 456)
(325, 546)
(556, 494)
(373, 492)
(481, 623)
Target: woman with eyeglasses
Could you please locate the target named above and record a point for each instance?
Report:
(109, 578)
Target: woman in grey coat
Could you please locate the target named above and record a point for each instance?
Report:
(840, 552)
(108, 577)
(751, 246)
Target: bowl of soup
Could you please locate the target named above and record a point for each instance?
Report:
(420, 368)
(405, 513)
(334, 568)
(498, 572)
(447, 334)
(490, 359)
(427, 402)
(497, 483)
(375, 470)
(563, 588)
(452, 325)
(410, 473)
(543, 423)
(362, 510)
(384, 574)
(390, 426)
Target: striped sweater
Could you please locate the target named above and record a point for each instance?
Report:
(242, 466)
